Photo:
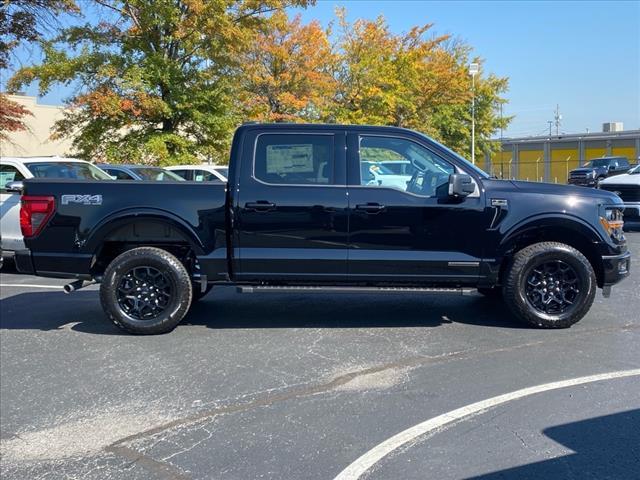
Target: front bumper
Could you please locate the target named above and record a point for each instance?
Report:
(615, 268)
(582, 182)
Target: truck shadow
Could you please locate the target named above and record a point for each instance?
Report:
(225, 309)
(603, 447)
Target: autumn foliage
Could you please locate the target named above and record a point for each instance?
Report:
(167, 81)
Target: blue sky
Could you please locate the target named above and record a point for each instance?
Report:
(582, 55)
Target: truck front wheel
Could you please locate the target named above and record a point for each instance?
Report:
(146, 290)
(549, 285)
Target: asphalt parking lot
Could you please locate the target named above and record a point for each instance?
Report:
(317, 386)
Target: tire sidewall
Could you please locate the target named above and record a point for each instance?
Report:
(584, 275)
(161, 261)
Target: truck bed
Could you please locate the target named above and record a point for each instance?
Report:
(90, 214)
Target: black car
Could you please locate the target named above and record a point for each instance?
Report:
(297, 215)
(596, 170)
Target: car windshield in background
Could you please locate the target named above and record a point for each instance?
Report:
(223, 171)
(635, 170)
(72, 170)
(599, 163)
(157, 174)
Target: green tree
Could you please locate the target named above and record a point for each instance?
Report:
(155, 78)
(414, 80)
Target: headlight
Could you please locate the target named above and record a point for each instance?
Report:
(612, 221)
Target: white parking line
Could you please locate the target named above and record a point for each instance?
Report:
(373, 456)
(28, 285)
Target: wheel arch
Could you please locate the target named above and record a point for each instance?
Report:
(571, 231)
(140, 227)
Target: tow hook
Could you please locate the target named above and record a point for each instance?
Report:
(77, 285)
(606, 291)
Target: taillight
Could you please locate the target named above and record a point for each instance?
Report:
(35, 212)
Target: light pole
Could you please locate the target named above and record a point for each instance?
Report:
(474, 68)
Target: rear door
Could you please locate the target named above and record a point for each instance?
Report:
(291, 207)
(410, 231)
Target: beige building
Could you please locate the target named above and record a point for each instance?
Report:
(35, 141)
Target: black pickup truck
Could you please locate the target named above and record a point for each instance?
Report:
(307, 209)
(596, 170)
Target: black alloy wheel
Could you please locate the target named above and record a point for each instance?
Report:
(553, 287)
(144, 293)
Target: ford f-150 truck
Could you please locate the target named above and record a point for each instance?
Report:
(296, 216)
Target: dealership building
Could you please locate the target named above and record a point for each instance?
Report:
(549, 158)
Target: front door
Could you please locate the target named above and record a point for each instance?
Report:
(291, 209)
(406, 228)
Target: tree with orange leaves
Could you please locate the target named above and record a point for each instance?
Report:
(286, 72)
(155, 78)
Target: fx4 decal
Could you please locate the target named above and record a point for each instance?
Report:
(82, 199)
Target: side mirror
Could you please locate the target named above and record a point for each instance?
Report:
(460, 185)
(14, 187)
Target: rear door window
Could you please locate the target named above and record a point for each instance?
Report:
(294, 159)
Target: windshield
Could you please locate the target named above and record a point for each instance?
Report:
(74, 170)
(635, 169)
(601, 162)
(223, 171)
(157, 174)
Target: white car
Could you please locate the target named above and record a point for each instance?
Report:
(201, 173)
(627, 187)
(374, 173)
(15, 169)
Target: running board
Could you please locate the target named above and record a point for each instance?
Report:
(333, 289)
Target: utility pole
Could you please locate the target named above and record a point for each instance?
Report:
(550, 122)
(557, 117)
(474, 68)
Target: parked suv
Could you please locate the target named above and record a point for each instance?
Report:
(593, 172)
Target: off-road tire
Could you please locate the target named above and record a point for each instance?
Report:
(524, 261)
(174, 272)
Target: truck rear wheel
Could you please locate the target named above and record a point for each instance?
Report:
(549, 285)
(146, 290)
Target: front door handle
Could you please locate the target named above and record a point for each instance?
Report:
(260, 206)
(371, 208)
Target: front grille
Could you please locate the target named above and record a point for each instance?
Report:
(628, 193)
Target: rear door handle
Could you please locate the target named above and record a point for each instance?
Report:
(370, 207)
(260, 206)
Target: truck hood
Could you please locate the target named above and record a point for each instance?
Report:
(566, 190)
(624, 179)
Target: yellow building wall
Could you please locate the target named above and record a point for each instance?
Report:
(629, 152)
(590, 153)
(562, 161)
(531, 165)
(500, 164)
